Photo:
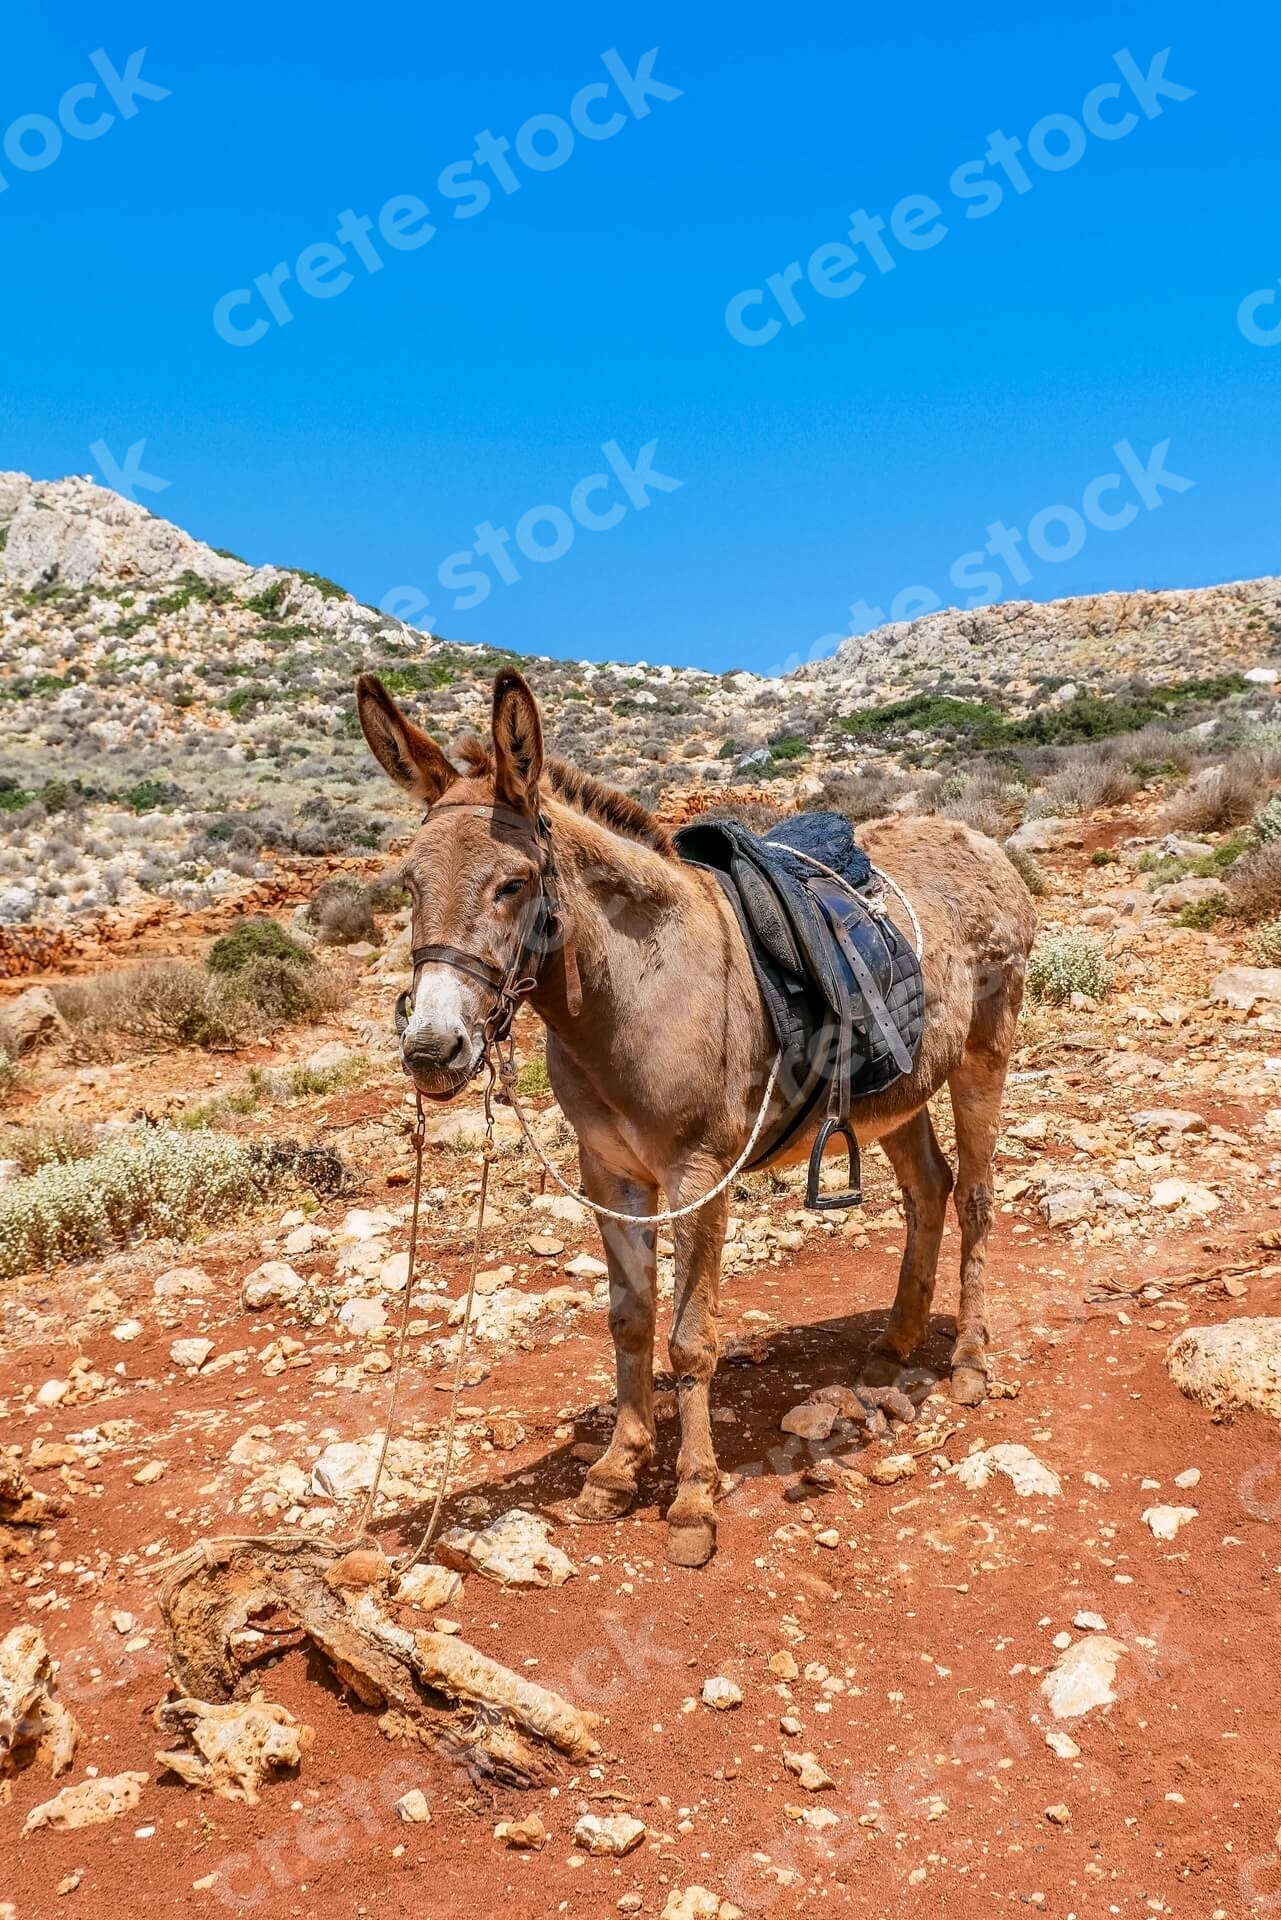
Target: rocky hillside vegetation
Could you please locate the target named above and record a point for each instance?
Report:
(177, 728)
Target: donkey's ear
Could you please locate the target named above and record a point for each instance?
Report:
(518, 743)
(405, 753)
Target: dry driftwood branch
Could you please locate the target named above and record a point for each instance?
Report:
(472, 1710)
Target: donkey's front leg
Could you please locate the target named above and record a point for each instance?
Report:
(691, 1520)
(610, 1486)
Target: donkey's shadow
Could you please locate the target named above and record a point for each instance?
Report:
(800, 1359)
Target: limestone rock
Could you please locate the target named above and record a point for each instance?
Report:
(273, 1284)
(430, 1588)
(191, 1354)
(32, 1718)
(1244, 987)
(413, 1808)
(722, 1694)
(1019, 1465)
(512, 1551)
(230, 1750)
(528, 1835)
(610, 1834)
(808, 1771)
(1082, 1677)
(33, 1019)
(90, 1803)
(1234, 1364)
(1164, 1522)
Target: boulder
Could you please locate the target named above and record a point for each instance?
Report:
(1245, 987)
(32, 1020)
(1234, 1364)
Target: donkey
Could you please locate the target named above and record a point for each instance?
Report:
(659, 1045)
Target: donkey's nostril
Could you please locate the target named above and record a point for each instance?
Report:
(461, 1055)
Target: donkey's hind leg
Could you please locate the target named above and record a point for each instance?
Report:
(926, 1180)
(976, 1088)
(631, 1254)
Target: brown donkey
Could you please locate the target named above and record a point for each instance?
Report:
(659, 1046)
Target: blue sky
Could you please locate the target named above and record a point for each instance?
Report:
(474, 377)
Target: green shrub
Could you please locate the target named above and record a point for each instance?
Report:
(256, 940)
(1066, 963)
(177, 1004)
(969, 722)
(12, 796)
(1104, 857)
(1204, 914)
(532, 1078)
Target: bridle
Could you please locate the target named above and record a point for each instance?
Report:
(546, 930)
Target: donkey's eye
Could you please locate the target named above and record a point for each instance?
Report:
(509, 889)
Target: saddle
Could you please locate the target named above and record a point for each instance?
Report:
(841, 984)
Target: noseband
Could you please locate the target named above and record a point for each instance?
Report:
(547, 926)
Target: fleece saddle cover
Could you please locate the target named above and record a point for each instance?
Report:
(842, 986)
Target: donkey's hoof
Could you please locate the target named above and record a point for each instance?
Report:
(969, 1386)
(598, 1503)
(692, 1542)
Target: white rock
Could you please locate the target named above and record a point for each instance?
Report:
(1019, 1465)
(611, 1834)
(273, 1284)
(413, 1808)
(1093, 1622)
(1234, 1364)
(1082, 1678)
(303, 1239)
(394, 1273)
(191, 1353)
(1062, 1743)
(1164, 1522)
(513, 1551)
(127, 1330)
(585, 1266)
(428, 1587)
(721, 1693)
(1190, 1477)
(362, 1316)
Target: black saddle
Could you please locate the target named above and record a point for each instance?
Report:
(842, 985)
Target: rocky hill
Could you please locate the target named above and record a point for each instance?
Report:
(176, 724)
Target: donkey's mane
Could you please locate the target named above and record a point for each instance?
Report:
(587, 795)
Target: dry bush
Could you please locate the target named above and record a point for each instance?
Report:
(862, 796)
(1218, 797)
(1154, 749)
(178, 1004)
(342, 912)
(985, 798)
(1254, 883)
(1091, 779)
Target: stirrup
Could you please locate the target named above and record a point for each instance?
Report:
(853, 1195)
